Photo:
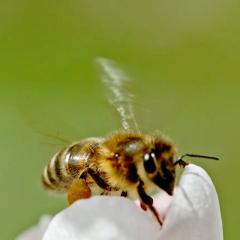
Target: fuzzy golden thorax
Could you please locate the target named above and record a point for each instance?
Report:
(131, 157)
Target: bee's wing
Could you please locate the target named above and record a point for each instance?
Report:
(115, 80)
(48, 132)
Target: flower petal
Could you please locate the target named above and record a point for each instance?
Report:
(103, 218)
(194, 212)
(36, 232)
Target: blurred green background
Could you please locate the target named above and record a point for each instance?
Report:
(182, 55)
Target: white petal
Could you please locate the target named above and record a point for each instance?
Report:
(103, 218)
(36, 232)
(194, 212)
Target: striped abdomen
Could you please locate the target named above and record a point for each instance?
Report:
(68, 164)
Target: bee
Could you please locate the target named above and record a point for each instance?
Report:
(129, 162)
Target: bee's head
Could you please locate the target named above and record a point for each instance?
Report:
(159, 165)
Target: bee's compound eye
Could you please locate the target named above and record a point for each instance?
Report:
(149, 163)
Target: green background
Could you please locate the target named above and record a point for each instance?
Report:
(184, 59)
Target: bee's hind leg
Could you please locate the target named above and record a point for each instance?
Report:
(146, 200)
(79, 189)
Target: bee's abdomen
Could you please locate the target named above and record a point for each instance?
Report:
(68, 164)
(55, 176)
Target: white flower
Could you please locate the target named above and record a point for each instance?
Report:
(193, 213)
(36, 232)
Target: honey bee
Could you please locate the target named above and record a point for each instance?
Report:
(129, 162)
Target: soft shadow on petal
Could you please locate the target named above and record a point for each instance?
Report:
(36, 232)
(194, 212)
(103, 218)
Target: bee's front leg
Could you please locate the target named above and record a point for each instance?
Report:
(181, 163)
(147, 200)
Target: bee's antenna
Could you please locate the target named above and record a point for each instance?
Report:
(198, 156)
(181, 162)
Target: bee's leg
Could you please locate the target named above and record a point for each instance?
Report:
(104, 193)
(181, 163)
(79, 189)
(97, 178)
(143, 206)
(148, 201)
(124, 194)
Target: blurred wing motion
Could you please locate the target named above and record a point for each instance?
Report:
(115, 81)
